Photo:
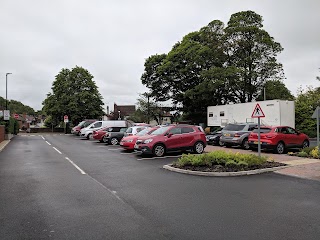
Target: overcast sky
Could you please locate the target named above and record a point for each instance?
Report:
(112, 39)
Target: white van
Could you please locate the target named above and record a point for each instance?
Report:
(87, 132)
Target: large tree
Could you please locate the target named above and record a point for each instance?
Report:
(74, 93)
(16, 107)
(215, 65)
(275, 89)
(252, 51)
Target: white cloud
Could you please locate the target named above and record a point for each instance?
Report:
(112, 39)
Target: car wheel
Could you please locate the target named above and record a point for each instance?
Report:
(159, 150)
(245, 144)
(198, 147)
(228, 145)
(221, 144)
(114, 141)
(105, 140)
(280, 148)
(101, 140)
(89, 136)
(305, 144)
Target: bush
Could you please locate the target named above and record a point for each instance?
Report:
(315, 152)
(302, 154)
(11, 126)
(227, 159)
(307, 150)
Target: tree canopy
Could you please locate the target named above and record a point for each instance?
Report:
(215, 65)
(74, 93)
(16, 107)
(275, 89)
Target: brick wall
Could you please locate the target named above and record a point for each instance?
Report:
(1, 133)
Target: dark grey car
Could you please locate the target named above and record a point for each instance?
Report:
(237, 134)
(114, 135)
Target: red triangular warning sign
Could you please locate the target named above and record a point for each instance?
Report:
(257, 112)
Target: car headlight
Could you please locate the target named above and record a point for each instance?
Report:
(148, 140)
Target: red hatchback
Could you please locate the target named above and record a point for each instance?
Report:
(129, 141)
(279, 138)
(98, 135)
(172, 138)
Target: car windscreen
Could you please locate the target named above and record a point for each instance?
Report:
(81, 124)
(234, 127)
(129, 130)
(160, 131)
(262, 130)
(86, 124)
(143, 132)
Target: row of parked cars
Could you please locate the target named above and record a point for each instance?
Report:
(143, 138)
(277, 138)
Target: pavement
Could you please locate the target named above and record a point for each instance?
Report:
(298, 167)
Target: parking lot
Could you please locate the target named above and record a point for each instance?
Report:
(63, 187)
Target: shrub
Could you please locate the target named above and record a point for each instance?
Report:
(315, 152)
(302, 154)
(307, 150)
(227, 159)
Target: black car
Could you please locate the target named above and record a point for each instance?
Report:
(213, 138)
(114, 135)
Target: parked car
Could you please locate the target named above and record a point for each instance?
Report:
(213, 138)
(128, 142)
(278, 138)
(172, 138)
(114, 135)
(98, 135)
(135, 129)
(76, 130)
(237, 134)
(87, 132)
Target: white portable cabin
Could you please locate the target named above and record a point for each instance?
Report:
(277, 112)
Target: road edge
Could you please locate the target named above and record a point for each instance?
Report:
(3, 144)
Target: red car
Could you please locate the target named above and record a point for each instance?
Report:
(98, 135)
(172, 138)
(128, 142)
(278, 138)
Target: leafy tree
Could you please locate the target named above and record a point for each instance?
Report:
(305, 105)
(17, 107)
(275, 89)
(215, 65)
(252, 51)
(74, 93)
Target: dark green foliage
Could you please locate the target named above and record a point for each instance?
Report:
(305, 105)
(11, 126)
(74, 93)
(222, 158)
(275, 89)
(303, 154)
(215, 65)
(16, 107)
(307, 149)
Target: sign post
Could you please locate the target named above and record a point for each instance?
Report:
(66, 120)
(6, 115)
(316, 115)
(258, 113)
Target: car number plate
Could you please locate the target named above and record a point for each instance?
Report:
(257, 142)
(227, 134)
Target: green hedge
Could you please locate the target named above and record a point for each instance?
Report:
(223, 158)
(11, 126)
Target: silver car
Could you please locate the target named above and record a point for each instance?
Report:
(237, 134)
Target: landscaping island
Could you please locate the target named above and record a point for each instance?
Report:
(221, 163)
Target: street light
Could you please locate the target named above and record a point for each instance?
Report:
(7, 90)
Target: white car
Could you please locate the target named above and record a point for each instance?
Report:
(134, 130)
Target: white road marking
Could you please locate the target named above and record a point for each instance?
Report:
(57, 150)
(48, 143)
(114, 149)
(76, 166)
(43, 137)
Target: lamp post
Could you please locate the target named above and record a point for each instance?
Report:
(7, 90)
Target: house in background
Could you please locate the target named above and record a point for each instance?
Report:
(120, 112)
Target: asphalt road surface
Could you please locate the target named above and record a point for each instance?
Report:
(62, 187)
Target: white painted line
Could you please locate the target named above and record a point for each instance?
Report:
(48, 143)
(57, 150)
(114, 149)
(43, 137)
(141, 159)
(126, 153)
(76, 166)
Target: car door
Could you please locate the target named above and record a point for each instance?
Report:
(293, 137)
(187, 137)
(173, 141)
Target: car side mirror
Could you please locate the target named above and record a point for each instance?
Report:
(169, 135)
